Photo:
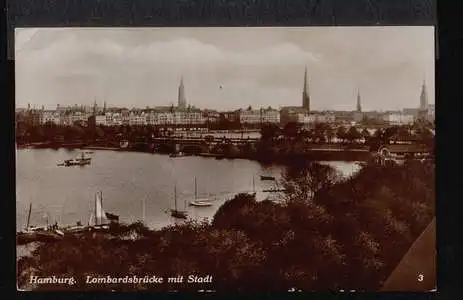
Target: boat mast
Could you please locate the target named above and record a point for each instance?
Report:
(144, 210)
(96, 209)
(196, 190)
(175, 197)
(101, 207)
(29, 215)
(253, 184)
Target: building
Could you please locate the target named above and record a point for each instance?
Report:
(211, 116)
(101, 120)
(188, 118)
(137, 119)
(232, 116)
(344, 117)
(50, 117)
(394, 118)
(115, 118)
(291, 114)
(259, 116)
(270, 115)
(315, 118)
(431, 112)
(163, 118)
(181, 95)
(411, 111)
(78, 117)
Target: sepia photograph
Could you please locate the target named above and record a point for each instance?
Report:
(210, 159)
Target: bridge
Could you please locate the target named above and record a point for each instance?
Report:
(196, 140)
(332, 147)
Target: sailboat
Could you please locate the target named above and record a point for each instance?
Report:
(179, 214)
(101, 219)
(36, 233)
(199, 202)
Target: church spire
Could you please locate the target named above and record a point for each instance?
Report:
(181, 95)
(424, 97)
(94, 107)
(359, 105)
(305, 92)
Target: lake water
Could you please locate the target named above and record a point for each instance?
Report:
(129, 181)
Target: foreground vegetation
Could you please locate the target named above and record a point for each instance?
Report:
(324, 234)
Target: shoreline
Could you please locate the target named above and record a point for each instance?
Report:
(316, 154)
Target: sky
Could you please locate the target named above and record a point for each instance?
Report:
(225, 68)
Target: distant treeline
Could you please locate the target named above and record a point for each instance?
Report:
(270, 133)
(324, 233)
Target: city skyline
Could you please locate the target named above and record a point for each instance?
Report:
(226, 68)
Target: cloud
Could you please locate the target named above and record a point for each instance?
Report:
(179, 51)
(258, 67)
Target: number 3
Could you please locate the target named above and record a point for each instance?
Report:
(420, 277)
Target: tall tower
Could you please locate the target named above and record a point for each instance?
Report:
(305, 93)
(424, 97)
(94, 108)
(181, 95)
(359, 105)
(423, 111)
(104, 107)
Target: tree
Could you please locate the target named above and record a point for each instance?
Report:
(341, 133)
(365, 134)
(352, 134)
(291, 130)
(269, 132)
(330, 134)
(303, 180)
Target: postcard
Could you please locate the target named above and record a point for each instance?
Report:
(212, 159)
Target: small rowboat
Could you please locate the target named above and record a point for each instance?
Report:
(200, 203)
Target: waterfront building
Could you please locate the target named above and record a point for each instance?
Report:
(291, 113)
(232, 116)
(116, 119)
(259, 116)
(398, 118)
(32, 116)
(188, 118)
(100, 120)
(138, 119)
(125, 114)
(431, 112)
(78, 117)
(163, 118)
(270, 115)
(315, 118)
(344, 117)
(411, 111)
(211, 116)
(50, 116)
